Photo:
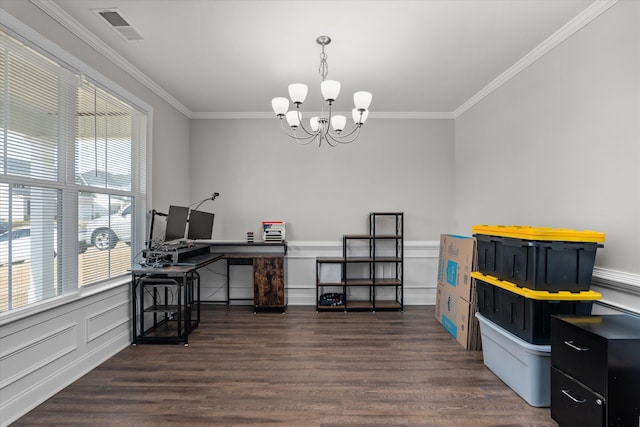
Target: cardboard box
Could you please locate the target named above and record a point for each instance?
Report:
(453, 312)
(457, 261)
(456, 301)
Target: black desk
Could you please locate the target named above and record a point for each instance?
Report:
(174, 291)
(175, 300)
(267, 260)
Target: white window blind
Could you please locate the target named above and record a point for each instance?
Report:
(72, 171)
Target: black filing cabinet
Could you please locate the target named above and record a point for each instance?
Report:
(595, 370)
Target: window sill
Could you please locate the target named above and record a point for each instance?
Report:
(56, 302)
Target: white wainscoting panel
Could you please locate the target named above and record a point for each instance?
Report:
(420, 274)
(107, 321)
(620, 291)
(42, 353)
(420, 270)
(40, 350)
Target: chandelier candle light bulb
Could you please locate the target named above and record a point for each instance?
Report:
(319, 129)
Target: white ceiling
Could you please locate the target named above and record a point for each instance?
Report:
(426, 58)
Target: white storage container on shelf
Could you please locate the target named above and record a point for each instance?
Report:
(524, 367)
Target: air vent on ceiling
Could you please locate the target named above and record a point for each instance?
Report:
(117, 22)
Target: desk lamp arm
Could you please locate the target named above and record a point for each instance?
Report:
(212, 198)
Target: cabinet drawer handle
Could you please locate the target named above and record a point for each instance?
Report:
(570, 396)
(575, 347)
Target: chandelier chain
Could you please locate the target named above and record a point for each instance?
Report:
(324, 66)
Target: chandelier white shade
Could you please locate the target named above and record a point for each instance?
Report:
(362, 100)
(297, 92)
(326, 127)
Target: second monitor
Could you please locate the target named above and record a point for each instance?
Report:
(200, 225)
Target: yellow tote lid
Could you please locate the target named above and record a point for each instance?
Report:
(538, 295)
(540, 233)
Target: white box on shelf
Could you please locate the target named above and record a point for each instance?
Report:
(273, 231)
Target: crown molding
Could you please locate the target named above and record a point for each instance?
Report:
(584, 18)
(573, 26)
(374, 115)
(26, 33)
(412, 115)
(67, 21)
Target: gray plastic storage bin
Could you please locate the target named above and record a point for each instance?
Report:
(524, 367)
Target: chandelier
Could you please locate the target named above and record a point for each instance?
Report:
(325, 127)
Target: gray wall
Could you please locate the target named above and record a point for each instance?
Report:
(323, 193)
(559, 144)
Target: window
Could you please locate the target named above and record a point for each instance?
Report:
(72, 176)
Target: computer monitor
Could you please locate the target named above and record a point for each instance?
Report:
(176, 223)
(200, 225)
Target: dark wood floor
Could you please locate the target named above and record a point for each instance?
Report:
(301, 368)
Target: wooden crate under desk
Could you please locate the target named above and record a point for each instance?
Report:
(268, 277)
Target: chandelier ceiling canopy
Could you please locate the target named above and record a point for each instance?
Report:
(325, 127)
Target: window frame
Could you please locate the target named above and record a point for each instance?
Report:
(141, 193)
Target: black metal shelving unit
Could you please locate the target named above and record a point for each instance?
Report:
(372, 279)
